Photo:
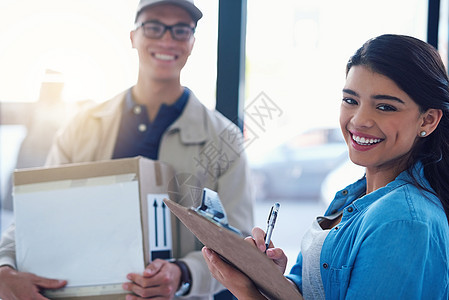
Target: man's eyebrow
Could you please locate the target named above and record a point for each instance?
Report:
(377, 97)
(159, 22)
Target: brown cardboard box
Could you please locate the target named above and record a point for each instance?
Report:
(48, 201)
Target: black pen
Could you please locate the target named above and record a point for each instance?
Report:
(271, 221)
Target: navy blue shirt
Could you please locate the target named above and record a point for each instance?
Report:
(137, 135)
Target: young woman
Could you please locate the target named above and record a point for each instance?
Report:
(385, 236)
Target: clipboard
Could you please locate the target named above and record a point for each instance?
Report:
(230, 244)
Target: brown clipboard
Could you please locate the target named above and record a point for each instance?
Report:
(249, 260)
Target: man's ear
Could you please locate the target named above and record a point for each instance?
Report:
(193, 44)
(430, 120)
(131, 37)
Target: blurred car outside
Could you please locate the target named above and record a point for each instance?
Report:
(345, 174)
(296, 167)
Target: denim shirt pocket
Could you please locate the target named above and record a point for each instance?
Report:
(339, 281)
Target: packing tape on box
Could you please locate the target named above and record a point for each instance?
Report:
(109, 289)
(65, 184)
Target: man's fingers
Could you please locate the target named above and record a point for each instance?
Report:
(138, 279)
(154, 267)
(47, 283)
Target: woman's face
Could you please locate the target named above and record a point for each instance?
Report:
(379, 121)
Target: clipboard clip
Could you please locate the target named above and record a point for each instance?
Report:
(212, 209)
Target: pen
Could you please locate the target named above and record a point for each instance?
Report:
(271, 221)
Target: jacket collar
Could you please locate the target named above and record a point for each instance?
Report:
(191, 124)
(110, 108)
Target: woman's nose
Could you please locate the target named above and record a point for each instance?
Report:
(362, 117)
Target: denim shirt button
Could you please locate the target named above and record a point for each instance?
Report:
(345, 192)
(325, 265)
(350, 209)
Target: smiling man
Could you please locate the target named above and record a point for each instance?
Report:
(159, 119)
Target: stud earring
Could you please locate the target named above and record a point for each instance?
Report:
(423, 133)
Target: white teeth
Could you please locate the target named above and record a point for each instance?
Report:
(164, 56)
(365, 141)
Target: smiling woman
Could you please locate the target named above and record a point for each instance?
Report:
(385, 235)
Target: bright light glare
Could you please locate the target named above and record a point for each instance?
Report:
(88, 42)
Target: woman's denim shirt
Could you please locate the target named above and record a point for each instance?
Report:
(391, 244)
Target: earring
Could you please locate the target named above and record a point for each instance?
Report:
(423, 133)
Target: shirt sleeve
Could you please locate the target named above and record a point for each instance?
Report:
(66, 139)
(295, 274)
(8, 247)
(397, 259)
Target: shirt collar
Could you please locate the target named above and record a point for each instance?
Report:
(178, 106)
(353, 191)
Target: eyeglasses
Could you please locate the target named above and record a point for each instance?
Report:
(155, 30)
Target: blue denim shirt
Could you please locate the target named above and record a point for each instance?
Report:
(391, 244)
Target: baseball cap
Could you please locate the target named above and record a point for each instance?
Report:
(188, 5)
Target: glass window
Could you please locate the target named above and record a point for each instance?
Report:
(443, 31)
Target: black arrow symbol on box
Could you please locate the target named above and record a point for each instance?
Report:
(165, 224)
(155, 219)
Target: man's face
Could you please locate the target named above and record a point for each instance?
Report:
(164, 58)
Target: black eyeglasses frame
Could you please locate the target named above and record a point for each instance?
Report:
(167, 27)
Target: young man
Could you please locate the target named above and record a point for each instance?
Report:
(159, 119)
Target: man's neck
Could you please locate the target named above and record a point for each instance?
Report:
(154, 94)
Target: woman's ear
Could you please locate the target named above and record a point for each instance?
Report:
(430, 120)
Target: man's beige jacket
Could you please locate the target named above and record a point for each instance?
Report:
(202, 146)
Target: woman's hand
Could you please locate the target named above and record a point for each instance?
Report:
(276, 254)
(234, 280)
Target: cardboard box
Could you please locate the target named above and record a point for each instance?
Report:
(92, 223)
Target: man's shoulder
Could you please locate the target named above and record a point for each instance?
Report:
(218, 119)
(212, 118)
(100, 108)
(221, 120)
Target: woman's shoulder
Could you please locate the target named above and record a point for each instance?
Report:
(408, 203)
